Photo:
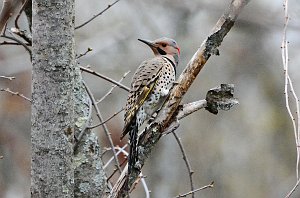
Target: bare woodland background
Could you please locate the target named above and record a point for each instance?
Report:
(248, 151)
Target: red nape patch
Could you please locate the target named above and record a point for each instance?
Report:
(178, 50)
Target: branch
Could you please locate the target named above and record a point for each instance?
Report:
(169, 110)
(288, 84)
(8, 7)
(113, 87)
(211, 185)
(187, 163)
(108, 119)
(18, 41)
(95, 16)
(218, 98)
(124, 172)
(8, 77)
(15, 93)
(105, 78)
(19, 14)
(108, 134)
(293, 189)
(23, 34)
(83, 54)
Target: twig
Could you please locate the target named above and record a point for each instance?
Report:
(18, 41)
(111, 89)
(83, 54)
(19, 14)
(15, 93)
(108, 119)
(293, 189)
(104, 77)
(211, 185)
(8, 7)
(9, 43)
(187, 163)
(186, 110)
(104, 126)
(123, 175)
(120, 150)
(8, 77)
(289, 84)
(95, 16)
(23, 35)
(116, 169)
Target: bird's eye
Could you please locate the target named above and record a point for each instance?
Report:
(164, 45)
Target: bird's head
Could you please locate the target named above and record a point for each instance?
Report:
(163, 46)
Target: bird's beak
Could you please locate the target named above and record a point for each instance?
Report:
(149, 43)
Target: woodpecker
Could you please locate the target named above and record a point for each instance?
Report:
(150, 87)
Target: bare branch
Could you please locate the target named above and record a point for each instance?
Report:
(190, 108)
(15, 93)
(8, 77)
(110, 91)
(169, 110)
(23, 34)
(104, 77)
(18, 41)
(95, 16)
(187, 163)
(19, 14)
(122, 177)
(211, 185)
(108, 134)
(293, 189)
(120, 150)
(108, 119)
(83, 54)
(11, 43)
(288, 85)
(8, 8)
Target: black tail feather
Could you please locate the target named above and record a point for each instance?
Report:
(133, 152)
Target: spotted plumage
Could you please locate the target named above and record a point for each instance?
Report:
(149, 88)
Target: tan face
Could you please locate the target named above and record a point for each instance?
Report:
(168, 46)
(163, 46)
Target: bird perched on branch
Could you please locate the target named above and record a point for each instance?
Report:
(150, 87)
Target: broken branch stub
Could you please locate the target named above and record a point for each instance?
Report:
(220, 98)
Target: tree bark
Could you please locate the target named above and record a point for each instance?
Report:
(89, 176)
(52, 136)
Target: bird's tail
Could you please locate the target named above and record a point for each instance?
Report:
(133, 152)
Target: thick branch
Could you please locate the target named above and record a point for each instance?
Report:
(169, 109)
(8, 8)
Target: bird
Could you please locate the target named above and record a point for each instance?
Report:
(150, 87)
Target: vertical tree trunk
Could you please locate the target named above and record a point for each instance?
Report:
(89, 176)
(52, 137)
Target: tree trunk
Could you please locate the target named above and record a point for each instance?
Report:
(90, 178)
(61, 110)
(52, 137)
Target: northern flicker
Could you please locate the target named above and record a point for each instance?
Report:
(149, 88)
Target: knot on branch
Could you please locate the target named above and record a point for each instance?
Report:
(220, 98)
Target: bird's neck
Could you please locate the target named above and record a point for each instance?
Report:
(173, 58)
